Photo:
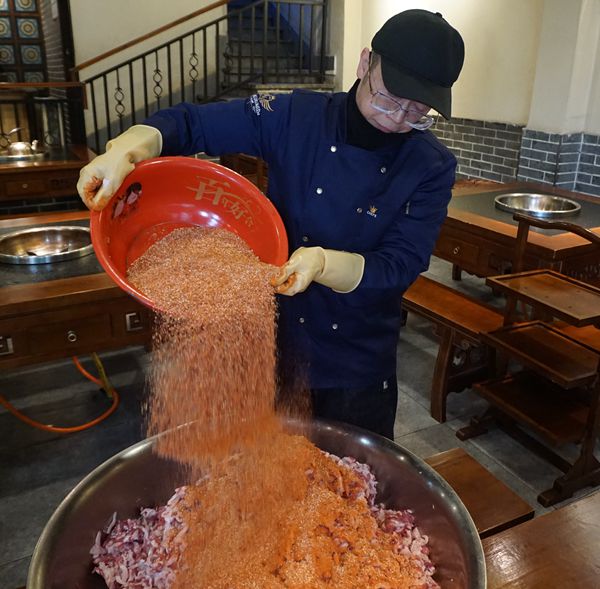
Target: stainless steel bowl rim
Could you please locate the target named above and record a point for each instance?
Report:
(51, 258)
(477, 560)
(502, 202)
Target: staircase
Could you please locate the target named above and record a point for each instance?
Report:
(260, 45)
(284, 57)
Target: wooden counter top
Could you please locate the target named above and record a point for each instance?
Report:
(558, 243)
(558, 550)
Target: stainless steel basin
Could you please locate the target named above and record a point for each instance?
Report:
(138, 478)
(24, 157)
(45, 245)
(8, 157)
(537, 205)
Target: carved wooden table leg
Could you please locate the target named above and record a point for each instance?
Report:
(439, 386)
(586, 469)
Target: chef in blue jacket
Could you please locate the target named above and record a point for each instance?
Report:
(362, 187)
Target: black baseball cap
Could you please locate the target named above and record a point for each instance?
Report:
(421, 57)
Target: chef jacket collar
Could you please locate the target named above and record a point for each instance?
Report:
(360, 133)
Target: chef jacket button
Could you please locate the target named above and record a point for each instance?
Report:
(359, 210)
(383, 169)
(301, 320)
(305, 238)
(333, 149)
(334, 326)
(319, 190)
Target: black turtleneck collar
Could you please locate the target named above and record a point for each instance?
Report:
(360, 133)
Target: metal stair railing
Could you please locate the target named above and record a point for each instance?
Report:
(267, 41)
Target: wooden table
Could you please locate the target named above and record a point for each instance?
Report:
(57, 318)
(556, 550)
(55, 175)
(485, 246)
(492, 505)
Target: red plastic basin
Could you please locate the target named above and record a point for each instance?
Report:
(167, 193)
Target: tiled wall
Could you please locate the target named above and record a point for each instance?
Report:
(483, 150)
(505, 153)
(569, 161)
(21, 42)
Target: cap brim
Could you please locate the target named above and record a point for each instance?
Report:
(403, 84)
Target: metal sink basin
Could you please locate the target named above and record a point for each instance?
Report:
(45, 245)
(537, 205)
(9, 158)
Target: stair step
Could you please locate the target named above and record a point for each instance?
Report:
(272, 65)
(233, 36)
(271, 48)
(286, 87)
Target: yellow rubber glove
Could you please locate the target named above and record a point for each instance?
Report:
(99, 180)
(340, 271)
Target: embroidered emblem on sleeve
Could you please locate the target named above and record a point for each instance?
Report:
(265, 101)
(372, 211)
(258, 102)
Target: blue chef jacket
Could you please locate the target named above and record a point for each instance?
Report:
(386, 204)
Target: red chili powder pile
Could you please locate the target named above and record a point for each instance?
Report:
(321, 533)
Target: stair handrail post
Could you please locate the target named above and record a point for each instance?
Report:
(323, 39)
(264, 41)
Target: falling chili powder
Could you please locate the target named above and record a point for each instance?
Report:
(255, 519)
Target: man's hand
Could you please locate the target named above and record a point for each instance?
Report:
(341, 271)
(100, 179)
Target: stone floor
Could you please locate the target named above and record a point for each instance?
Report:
(38, 469)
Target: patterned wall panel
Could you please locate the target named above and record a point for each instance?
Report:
(22, 56)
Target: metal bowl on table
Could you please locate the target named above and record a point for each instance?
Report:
(538, 205)
(137, 477)
(45, 245)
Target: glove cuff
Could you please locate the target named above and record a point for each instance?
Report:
(140, 142)
(342, 271)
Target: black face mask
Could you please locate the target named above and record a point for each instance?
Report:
(360, 133)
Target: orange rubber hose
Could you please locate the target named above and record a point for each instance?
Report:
(103, 382)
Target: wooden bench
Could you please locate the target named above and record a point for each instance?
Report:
(493, 506)
(556, 550)
(462, 358)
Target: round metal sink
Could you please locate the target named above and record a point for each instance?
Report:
(537, 205)
(45, 245)
(7, 158)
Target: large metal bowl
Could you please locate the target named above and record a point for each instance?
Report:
(538, 205)
(137, 477)
(45, 245)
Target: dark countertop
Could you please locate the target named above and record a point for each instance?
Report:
(11, 274)
(482, 203)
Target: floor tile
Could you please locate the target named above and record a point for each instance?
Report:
(429, 441)
(411, 416)
(14, 574)
(415, 371)
(35, 466)
(532, 469)
(23, 517)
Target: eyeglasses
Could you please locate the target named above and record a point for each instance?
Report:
(389, 106)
